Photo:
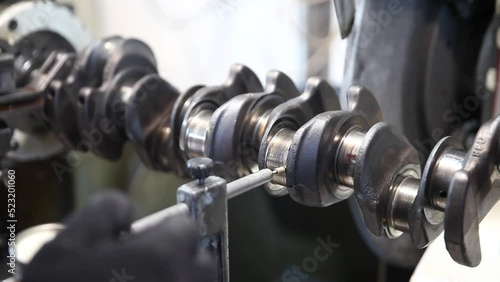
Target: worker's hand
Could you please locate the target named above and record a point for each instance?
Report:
(92, 249)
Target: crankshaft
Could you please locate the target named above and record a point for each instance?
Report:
(112, 93)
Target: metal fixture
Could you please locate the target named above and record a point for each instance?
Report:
(205, 202)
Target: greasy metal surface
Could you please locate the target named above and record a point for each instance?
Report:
(149, 107)
(196, 133)
(346, 156)
(384, 155)
(236, 128)
(471, 195)
(126, 63)
(172, 128)
(318, 97)
(426, 221)
(312, 158)
(362, 101)
(277, 153)
(403, 197)
(241, 80)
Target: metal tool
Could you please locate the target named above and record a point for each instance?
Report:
(204, 200)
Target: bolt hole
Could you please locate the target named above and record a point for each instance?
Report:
(13, 25)
(443, 194)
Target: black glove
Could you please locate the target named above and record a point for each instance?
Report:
(92, 249)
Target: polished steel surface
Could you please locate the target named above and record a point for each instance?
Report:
(196, 133)
(277, 153)
(450, 162)
(346, 159)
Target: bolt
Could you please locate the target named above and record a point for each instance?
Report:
(200, 168)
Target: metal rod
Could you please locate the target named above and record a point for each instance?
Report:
(250, 182)
(156, 218)
(234, 189)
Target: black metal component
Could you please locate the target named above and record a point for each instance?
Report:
(471, 195)
(7, 74)
(385, 154)
(345, 11)
(113, 95)
(200, 168)
(312, 158)
(241, 80)
(33, 51)
(149, 108)
(236, 128)
(318, 97)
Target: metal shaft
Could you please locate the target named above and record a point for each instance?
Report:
(234, 189)
(156, 218)
(249, 182)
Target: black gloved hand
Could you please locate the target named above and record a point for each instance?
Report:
(91, 249)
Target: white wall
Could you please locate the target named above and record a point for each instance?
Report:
(197, 40)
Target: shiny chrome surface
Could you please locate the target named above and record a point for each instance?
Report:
(346, 158)
(196, 133)
(277, 153)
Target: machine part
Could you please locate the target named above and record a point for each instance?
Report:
(208, 207)
(205, 201)
(7, 73)
(427, 212)
(149, 109)
(156, 218)
(114, 94)
(236, 128)
(345, 11)
(311, 162)
(360, 100)
(37, 28)
(385, 156)
(318, 97)
(7, 85)
(200, 168)
(427, 50)
(87, 73)
(32, 31)
(321, 148)
(126, 64)
(198, 109)
(247, 183)
(471, 195)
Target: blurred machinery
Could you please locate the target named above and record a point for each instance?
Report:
(316, 147)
